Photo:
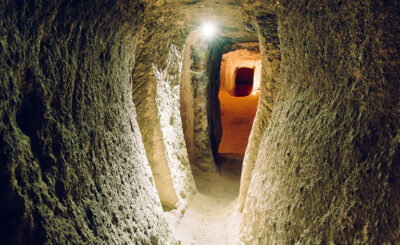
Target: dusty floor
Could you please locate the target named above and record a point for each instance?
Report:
(237, 115)
(213, 216)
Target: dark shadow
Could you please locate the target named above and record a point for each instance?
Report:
(244, 81)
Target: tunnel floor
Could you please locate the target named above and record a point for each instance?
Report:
(237, 115)
(213, 216)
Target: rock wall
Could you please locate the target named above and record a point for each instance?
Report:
(187, 98)
(156, 93)
(73, 167)
(168, 104)
(213, 109)
(269, 86)
(195, 102)
(328, 165)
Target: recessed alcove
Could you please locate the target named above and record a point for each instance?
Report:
(244, 81)
(240, 71)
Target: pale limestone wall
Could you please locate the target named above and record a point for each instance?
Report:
(73, 165)
(168, 104)
(270, 53)
(195, 102)
(187, 97)
(156, 81)
(328, 166)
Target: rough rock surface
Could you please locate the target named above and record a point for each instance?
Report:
(187, 97)
(269, 86)
(328, 165)
(155, 92)
(213, 110)
(73, 167)
(154, 47)
(168, 104)
(326, 156)
(195, 101)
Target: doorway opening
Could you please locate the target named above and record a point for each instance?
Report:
(244, 81)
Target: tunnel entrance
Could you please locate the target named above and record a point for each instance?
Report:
(234, 78)
(244, 81)
(213, 210)
(239, 92)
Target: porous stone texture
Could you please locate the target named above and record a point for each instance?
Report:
(168, 104)
(73, 167)
(328, 166)
(213, 110)
(269, 86)
(323, 161)
(187, 97)
(202, 102)
(156, 93)
(195, 101)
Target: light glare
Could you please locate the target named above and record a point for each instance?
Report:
(208, 29)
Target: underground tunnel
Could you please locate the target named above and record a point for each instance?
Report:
(113, 113)
(240, 75)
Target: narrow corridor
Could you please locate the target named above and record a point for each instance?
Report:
(237, 115)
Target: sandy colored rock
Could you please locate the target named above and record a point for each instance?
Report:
(198, 80)
(156, 88)
(73, 166)
(269, 87)
(92, 144)
(327, 170)
(213, 217)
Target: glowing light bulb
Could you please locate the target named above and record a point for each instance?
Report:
(254, 92)
(208, 29)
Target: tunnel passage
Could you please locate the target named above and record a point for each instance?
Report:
(323, 159)
(244, 81)
(237, 115)
(238, 95)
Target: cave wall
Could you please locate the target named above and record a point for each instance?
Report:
(156, 92)
(168, 104)
(201, 124)
(213, 109)
(187, 97)
(328, 165)
(197, 101)
(73, 167)
(269, 86)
